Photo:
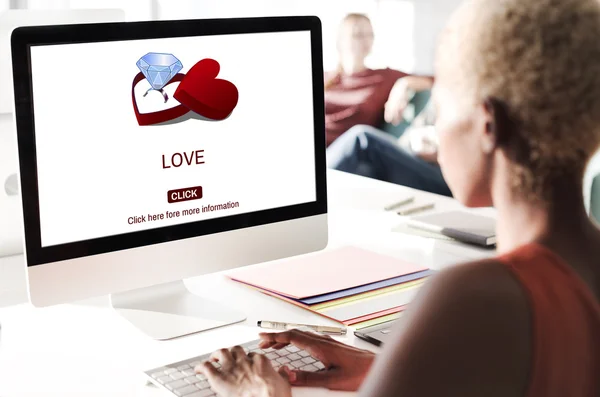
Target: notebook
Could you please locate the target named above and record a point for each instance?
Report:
(366, 288)
(459, 225)
(324, 272)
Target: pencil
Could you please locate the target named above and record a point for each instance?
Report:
(399, 204)
(414, 210)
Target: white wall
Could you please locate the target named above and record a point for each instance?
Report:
(393, 20)
(430, 18)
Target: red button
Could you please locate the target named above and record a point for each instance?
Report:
(187, 194)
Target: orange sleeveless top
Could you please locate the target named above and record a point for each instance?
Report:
(565, 321)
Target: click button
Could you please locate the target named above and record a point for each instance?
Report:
(186, 194)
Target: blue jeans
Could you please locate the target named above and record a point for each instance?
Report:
(366, 151)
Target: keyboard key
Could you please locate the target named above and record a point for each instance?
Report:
(319, 365)
(192, 379)
(309, 368)
(177, 375)
(283, 360)
(294, 357)
(164, 379)
(169, 371)
(202, 385)
(304, 353)
(308, 360)
(160, 372)
(189, 372)
(183, 367)
(297, 364)
(176, 384)
(200, 376)
(272, 356)
(292, 349)
(189, 389)
(195, 364)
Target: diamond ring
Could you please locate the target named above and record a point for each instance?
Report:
(159, 69)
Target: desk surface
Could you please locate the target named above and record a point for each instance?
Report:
(86, 349)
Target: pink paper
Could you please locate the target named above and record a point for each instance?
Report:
(324, 272)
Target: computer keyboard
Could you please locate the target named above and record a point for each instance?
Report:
(180, 379)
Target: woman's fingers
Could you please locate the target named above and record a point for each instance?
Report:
(279, 346)
(318, 346)
(238, 353)
(224, 357)
(311, 379)
(209, 370)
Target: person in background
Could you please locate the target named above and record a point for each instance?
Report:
(355, 94)
(517, 96)
(357, 100)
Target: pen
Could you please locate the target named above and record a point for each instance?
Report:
(414, 210)
(323, 329)
(399, 204)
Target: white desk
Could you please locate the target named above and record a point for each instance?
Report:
(85, 349)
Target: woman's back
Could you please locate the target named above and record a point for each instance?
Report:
(521, 325)
(565, 324)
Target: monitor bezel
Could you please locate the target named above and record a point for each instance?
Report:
(24, 38)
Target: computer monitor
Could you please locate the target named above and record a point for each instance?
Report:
(151, 152)
(10, 208)
(12, 19)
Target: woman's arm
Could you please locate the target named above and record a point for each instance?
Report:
(418, 83)
(401, 93)
(469, 336)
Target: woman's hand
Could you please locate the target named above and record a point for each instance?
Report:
(401, 94)
(345, 367)
(397, 101)
(243, 375)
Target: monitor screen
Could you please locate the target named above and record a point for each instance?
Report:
(144, 134)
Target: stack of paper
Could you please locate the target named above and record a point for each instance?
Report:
(349, 285)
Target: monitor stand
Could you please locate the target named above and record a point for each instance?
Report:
(170, 310)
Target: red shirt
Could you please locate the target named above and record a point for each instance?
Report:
(357, 99)
(565, 319)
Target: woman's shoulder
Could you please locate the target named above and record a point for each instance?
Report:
(484, 279)
(470, 320)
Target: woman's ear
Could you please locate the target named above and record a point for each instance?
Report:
(499, 127)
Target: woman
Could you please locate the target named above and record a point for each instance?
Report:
(518, 100)
(357, 100)
(355, 94)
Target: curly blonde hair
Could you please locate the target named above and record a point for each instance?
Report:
(541, 59)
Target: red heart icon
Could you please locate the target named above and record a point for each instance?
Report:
(201, 91)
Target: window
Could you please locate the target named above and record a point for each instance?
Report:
(392, 20)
